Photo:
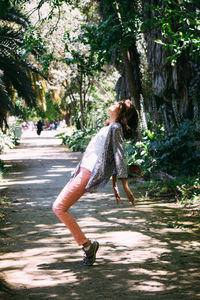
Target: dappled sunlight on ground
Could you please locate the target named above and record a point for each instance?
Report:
(141, 256)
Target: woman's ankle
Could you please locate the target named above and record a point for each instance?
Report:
(87, 244)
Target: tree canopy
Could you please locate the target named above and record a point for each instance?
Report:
(153, 45)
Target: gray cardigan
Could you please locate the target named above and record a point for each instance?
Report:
(111, 161)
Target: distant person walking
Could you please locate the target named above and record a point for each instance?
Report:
(39, 127)
(103, 158)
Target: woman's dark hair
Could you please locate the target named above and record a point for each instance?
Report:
(128, 118)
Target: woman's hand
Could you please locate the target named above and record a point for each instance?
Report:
(128, 192)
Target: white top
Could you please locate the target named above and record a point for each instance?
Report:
(94, 148)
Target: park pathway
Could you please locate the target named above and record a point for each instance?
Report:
(141, 256)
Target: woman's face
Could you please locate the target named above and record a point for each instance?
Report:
(115, 109)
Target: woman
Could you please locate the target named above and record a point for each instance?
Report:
(103, 158)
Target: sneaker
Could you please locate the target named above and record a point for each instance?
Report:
(90, 255)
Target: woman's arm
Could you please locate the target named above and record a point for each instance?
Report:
(128, 192)
(115, 188)
(119, 151)
(121, 166)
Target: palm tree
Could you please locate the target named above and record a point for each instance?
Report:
(15, 72)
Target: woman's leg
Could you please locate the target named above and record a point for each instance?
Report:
(68, 196)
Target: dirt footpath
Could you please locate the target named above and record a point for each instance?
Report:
(142, 254)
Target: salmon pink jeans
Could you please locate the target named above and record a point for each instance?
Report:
(70, 194)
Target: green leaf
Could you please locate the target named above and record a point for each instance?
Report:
(160, 42)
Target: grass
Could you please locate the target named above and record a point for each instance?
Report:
(184, 190)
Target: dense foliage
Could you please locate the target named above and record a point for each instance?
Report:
(176, 153)
(18, 76)
(179, 26)
(7, 141)
(154, 45)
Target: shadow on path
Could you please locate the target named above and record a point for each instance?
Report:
(141, 255)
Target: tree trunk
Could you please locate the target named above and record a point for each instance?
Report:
(81, 100)
(128, 67)
(131, 62)
(130, 57)
(168, 82)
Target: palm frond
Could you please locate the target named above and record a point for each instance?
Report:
(16, 73)
(5, 105)
(19, 75)
(5, 102)
(15, 16)
(10, 40)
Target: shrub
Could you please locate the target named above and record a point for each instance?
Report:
(138, 153)
(176, 153)
(189, 191)
(7, 140)
(79, 139)
(185, 190)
